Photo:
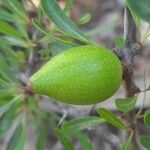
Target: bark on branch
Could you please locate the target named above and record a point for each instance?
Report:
(128, 53)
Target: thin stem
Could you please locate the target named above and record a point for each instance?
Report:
(130, 88)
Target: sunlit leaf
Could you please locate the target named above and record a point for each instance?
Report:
(81, 123)
(111, 118)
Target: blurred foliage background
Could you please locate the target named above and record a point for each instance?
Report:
(28, 38)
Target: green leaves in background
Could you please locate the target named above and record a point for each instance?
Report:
(68, 5)
(73, 128)
(145, 141)
(54, 12)
(7, 29)
(63, 139)
(16, 8)
(85, 19)
(147, 118)
(84, 140)
(17, 140)
(57, 47)
(111, 118)
(13, 23)
(140, 8)
(127, 145)
(51, 35)
(7, 106)
(126, 104)
(41, 139)
(81, 123)
(8, 114)
(119, 42)
(6, 16)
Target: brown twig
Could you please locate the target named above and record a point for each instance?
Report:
(128, 53)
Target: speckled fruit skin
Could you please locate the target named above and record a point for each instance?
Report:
(81, 75)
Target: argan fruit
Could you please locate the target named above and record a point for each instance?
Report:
(81, 75)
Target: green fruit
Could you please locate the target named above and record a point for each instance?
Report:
(81, 75)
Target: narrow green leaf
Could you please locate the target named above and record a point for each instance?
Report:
(84, 140)
(7, 50)
(16, 7)
(57, 47)
(15, 41)
(119, 41)
(54, 12)
(5, 99)
(111, 118)
(5, 107)
(81, 123)
(145, 141)
(136, 18)
(141, 8)
(6, 28)
(21, 56)
(17, 140)
(11, 62)
(5, 93)
(6, 70)
(23, 29)
(5, 76)
(126, 104)
(127, 145)
(147, 118)
(41, 139)
(68, 5)
(8, 115)
(39, 27)
(3, 83)
(85, 19)
(5, 124)
(64, 140)
(6, 16)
